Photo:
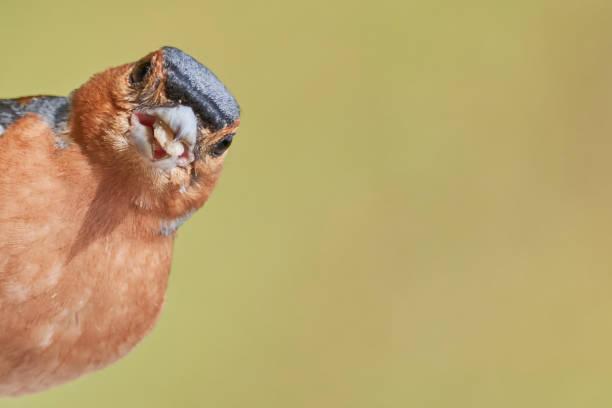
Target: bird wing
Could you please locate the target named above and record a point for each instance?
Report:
(53, 109)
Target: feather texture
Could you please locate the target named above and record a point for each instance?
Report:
(87, 222)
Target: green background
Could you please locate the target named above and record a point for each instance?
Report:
(416, 212)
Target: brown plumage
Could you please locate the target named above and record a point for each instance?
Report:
(88, 213)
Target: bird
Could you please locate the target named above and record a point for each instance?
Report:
(93, 188)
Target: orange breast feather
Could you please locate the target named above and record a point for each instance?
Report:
(89, 205)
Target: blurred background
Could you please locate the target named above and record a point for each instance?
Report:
(416, 212)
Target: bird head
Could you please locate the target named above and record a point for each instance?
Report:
(161, 125)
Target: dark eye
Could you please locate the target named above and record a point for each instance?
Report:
(140, 72)
(221, 146)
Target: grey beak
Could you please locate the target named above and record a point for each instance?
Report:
(196, 86)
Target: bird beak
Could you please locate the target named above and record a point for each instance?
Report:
(190, 83)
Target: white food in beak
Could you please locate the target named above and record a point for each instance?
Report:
(181, 120)
(175, 129)
(165, 138)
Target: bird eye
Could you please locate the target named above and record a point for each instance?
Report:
(140, 72)
(221, 146)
